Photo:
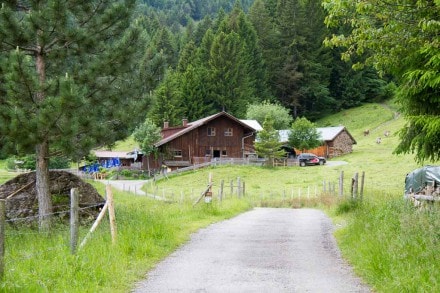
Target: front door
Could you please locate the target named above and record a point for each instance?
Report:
(216, 154)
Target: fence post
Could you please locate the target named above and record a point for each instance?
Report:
(354, 185)
(244, 188)
(232, 187)
(362, 185)
(111, 213)
(2, 236)
(238, 187)
(74, 219)
(324, 185)
(222, 184)
(341, 184)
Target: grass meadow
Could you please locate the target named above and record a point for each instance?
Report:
(148, 230)
(391, 245)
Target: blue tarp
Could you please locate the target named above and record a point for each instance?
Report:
(110, 163)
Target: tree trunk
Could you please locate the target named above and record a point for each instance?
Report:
(42, 186)
(42, 156)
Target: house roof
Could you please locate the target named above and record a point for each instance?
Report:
(195, 124)
(253, 123)
(111, 154)
(326, 133)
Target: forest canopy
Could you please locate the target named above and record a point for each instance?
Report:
(227, 55)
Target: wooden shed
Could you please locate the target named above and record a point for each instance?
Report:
(337, 141)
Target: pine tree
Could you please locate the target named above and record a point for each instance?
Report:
(268, 41)
(147, 134)
(201, 29)
(268, 143)
(195, 91)
(66, 84)
(165, 43)
(252, 53)
(226, 66)
(167, 99)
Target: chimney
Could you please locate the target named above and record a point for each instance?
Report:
(185, 122)
(166, 124)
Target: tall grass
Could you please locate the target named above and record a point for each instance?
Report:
(393, 246)
(148, 230)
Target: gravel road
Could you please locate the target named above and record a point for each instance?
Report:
(133, 186)
(263, 250)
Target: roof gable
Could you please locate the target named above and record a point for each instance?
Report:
(196, 124)
(326, 133)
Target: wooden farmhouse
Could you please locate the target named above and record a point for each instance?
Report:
(337, 141)
(216, 137)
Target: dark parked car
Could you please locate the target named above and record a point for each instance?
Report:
(310, 159)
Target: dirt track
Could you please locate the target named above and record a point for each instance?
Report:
(264, 250)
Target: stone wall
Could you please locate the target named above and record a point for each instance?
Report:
(342, 144)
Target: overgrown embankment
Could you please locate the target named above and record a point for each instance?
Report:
(392, 245)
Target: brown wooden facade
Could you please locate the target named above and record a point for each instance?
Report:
(219, 136)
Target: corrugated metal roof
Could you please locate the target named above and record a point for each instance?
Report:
(326, 133)
(329, 133)
(252, 123)
(110, 154)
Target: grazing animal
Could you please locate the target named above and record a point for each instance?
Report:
(386, 133)
(366, 132)
(378, 140)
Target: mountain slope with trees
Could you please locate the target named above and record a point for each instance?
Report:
(247, 53)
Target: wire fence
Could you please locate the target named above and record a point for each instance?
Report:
(9, 229)
(344, 186)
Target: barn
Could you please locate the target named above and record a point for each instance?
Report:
(337, 141)
(219, 136)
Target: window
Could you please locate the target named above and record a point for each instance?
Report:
(228, 132)
(211, 131)
(224, 153)
(177, 153)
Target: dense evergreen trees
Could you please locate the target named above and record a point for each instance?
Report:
(257, 50)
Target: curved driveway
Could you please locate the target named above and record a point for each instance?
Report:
(263, 250)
